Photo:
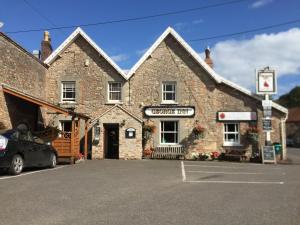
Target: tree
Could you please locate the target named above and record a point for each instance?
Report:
(292, 99)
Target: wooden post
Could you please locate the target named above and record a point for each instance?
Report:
(77, 138)
(85, 139)
(72, 140)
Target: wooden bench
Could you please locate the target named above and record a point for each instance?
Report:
(236, 155)
(168, 152)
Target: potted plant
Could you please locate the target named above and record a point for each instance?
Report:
(198, 131)
(148, 152)
(214, 155)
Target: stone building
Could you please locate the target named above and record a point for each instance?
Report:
(293, 126)
(170, 100)
(23, 71)
(170, 87)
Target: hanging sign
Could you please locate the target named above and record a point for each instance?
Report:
(158, 111)
(268, 154)
(236, 116)
(266, 81)
(267, 124)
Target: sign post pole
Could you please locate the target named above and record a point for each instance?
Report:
(266, 85)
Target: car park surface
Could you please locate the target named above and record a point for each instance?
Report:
(154, 192)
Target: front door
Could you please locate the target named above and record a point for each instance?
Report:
(111, 141)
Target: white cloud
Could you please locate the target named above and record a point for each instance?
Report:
(195, 22)
(120, 57)
(180, 25)
(141, 52)
(260, 3)
(237, 60)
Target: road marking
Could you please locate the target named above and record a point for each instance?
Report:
(24, 174)
(228, 167)
(183, 172)
(244, 173)
(233, 182)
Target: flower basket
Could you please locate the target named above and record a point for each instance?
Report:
(198, 131)
(148, 130)
(253, 134)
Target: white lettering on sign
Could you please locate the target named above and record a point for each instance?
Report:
(176, 111)
(237, 116)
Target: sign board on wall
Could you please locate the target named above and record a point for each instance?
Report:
(237, 116)
(180, 111)
(130, 133)
(266, 82)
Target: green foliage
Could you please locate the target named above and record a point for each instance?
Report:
(292, 99)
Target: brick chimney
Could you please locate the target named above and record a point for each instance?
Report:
(207, 59)
(46, 48)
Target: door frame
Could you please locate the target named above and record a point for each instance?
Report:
(105, 138)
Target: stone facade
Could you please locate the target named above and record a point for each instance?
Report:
(128, 148)
(81, 62)
(195, 87)
(23, 71)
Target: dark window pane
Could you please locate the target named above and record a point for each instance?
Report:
(230, 127)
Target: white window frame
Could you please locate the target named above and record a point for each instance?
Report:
(236, 132)
(163, 92)
(62, 91)
(109, 91)
(160, 132)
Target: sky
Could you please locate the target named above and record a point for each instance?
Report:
(235, 58)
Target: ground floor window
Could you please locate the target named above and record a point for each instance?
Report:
(169, 132)
(231, 134)
(66, 126)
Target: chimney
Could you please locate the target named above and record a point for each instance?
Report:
(46, 48)
(207, 59)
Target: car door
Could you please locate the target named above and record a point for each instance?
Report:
(33, 150)
(42, 151)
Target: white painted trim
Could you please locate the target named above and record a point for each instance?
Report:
(183, 172)
(72, 38)
(120, 107)
(201, 62)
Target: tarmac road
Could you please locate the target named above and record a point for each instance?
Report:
(155, 192)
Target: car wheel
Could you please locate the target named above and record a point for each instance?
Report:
(53, 160)
(17, 165)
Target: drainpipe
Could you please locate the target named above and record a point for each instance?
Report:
(283, 137)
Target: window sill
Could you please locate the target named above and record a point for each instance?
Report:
(68, 103)
(232, 145)
(114, 103)
(169, 145)
(169, 103)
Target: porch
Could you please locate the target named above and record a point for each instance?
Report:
(67, 144)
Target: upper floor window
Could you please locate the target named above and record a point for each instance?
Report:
(231, 134)
(68, 91)
(115, 91)
(169, 92)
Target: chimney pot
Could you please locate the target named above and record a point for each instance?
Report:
(47, 36)
(207, 59)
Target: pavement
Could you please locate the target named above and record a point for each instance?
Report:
(155, 192)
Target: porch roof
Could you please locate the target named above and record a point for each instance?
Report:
(42, 103)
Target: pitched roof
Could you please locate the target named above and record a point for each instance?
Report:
(294, 115)
(72, 38)
(200, 61)
(120, 107)
(37, 101)
(22, 49)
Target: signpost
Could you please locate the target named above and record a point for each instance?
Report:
(266, 85)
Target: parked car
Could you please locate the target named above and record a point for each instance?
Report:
(20, 149)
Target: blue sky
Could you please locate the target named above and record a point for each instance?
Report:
(126, 41)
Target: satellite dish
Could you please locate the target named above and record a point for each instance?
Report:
(1, 24)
